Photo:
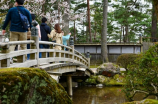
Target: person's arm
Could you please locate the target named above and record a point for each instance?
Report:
(8, 18)
(39, 31)
(49, 30)
(51, 34)
(29, 19)
(67, 36)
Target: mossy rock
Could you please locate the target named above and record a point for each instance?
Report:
(113, 82)
(146, 101)
(117, 80)
(93, 76)
(108, 69)
(30, 86)
(102, 79)
(91, 81)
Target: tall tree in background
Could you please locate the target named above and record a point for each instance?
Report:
(78, 7)
(104, 32)
(132, 18)
(66, 19)
(96, 24)
(154, 24)
(89, 23)
(155, 2)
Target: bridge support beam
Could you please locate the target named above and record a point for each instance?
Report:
(69, 85)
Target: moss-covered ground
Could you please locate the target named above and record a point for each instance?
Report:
(117, 80)
(30, 86)
(146, 101)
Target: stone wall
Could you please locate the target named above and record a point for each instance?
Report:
(96, 59)
(146, 45)
(113, 51)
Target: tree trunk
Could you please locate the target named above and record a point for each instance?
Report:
(58, 15)
(89, 24)
(66, 20)
(87, 33)
(126, 35)
(154, 25)
(121, 34)
(95, 32)
(104, 32)
(74, 32)
(155, 3)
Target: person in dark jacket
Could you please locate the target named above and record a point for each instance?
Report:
(17, 32)
(45, 29)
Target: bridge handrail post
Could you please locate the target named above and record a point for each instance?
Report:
(35, 37)
(5, 62)
(88, 57)
(72, 46)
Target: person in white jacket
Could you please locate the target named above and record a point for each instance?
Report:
(56, 35)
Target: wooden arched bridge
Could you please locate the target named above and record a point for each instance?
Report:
(58, 63)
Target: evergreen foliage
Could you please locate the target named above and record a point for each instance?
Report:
(142, 75)
(125, 59)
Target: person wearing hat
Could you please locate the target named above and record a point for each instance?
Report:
(17, 32)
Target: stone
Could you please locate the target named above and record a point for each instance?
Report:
(108, 69)
(101, 79)
(99, 85)
(30, 86)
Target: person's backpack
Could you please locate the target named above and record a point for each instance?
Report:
(24, 20)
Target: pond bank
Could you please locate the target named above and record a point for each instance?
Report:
(94, 95)
(105, 95)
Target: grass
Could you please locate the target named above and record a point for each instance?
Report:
(94, 66)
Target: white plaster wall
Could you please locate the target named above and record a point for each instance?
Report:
(91, 49)
(137, 49)
(115, 49)
(79, 49)
(99, 49)
(127, 49)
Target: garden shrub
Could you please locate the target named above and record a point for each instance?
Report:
(142, 76)
(125, 59)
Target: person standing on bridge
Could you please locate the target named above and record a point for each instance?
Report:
(45, 29)
(56, 35)
(17, 32)
(39, 35)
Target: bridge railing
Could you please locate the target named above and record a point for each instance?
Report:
(50, 55)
